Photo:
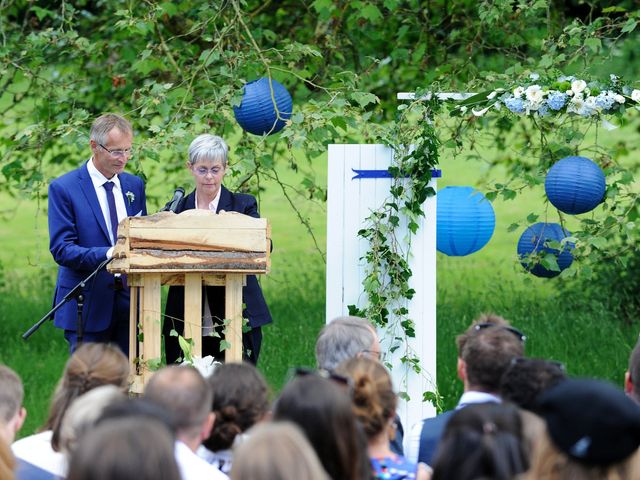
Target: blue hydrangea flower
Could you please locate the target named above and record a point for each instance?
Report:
(605, 100)
(543, 111)
(556, 100)
(516, 105)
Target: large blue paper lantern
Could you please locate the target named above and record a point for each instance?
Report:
(575, 185)
(465, 221)
(257, 112)
(533, 241)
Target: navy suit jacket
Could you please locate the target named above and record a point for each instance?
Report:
(79, 241)
(256, 310)
(431, 434)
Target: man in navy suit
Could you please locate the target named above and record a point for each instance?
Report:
(208, 164)
(485, 351)
(85, 207)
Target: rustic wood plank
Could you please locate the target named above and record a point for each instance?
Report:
(193, 311)
(151, 327)
(215, 239)
(233, 312)
(144, 260)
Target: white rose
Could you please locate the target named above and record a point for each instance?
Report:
(518, 91)
(534, 94)
(590, 102)
(578, 86)
(635, 95)
(618, 98)
(569, 93)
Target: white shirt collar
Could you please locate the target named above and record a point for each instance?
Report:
(470, 397)
(98, 179)
(213, 205)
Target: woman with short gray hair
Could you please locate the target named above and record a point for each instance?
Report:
(207, 163)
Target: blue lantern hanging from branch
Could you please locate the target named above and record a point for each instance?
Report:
(542, 241)
(575, 185)
(465, 221)
(260, 112)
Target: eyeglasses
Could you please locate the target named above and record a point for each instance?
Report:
(202, 171)
(375, 354)
(118, 152)
(521, 336)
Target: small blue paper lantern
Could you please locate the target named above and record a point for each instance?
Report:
(465, 221)
(575, 185)
(257, 114)
(533, 241)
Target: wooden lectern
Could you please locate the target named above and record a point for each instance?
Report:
(193, 248)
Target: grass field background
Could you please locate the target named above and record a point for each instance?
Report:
(572, 329)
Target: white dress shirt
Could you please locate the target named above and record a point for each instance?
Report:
(98, 181)
(213, 205)
(36, 450)
(192, 467)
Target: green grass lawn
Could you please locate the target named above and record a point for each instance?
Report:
(573, 330)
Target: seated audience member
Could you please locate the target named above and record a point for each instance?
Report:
(592, 433)
(12, 413)
(183, 392)
(138, 408)
(349, 337)
(7, 461)
(632, 376)
(322, 410)
(125, 449)
(374, 404)
(240, 400)
(485, 351)
(83, 414)
(277, 451)
(526, 378)
(90, 366)
(483, 440)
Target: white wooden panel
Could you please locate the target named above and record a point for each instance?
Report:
(347, 209)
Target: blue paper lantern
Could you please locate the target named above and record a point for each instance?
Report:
(575, 185)
(465, 221)
(257, 113)
(533, 241)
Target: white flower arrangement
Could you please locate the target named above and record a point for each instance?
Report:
(130, 196)
(205, 365)
(566, 95)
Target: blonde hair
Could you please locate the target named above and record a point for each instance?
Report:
(90, 366)
(549, 463)
(277, 451)
(107, 122)
(373, 398)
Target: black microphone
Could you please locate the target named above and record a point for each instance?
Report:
(172, 206)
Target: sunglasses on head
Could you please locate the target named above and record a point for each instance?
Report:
(521, 336)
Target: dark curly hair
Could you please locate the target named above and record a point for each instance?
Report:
(240, 399)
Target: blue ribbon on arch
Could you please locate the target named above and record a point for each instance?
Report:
(360, 174)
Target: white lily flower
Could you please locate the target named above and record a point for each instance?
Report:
(492, 95)
(205, 365)
(479, 113)
(635, 95)
(518, 91)
(578, 86)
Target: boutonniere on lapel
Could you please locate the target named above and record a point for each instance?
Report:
(130, 196)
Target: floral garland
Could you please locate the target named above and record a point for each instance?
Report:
(566, 95)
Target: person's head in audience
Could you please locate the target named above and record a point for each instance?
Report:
(374, 401)
(139, 407)
(344, 338)
(186, 395)
(485, 351)
(125, 449)
(526, 378)
(240, 400)
(592, 432)
(12, 413)
(277, 451)
(322, 409)
(632, 376)
(83, 415)
(482, 440)
(90, 366)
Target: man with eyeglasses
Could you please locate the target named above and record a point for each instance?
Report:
(85, 207)
(485, 351)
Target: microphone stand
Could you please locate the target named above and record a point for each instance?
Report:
(77, 293)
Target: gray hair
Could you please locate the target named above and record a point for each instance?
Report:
(107, 122)
(208, 147)
(84, 413)
(341, 339)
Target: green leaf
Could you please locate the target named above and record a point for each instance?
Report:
(224, 345)
(168, 8)
(154, 364)
(173, 333)
(371, 12)
(630, 26)
(595, 44)
(364, 98)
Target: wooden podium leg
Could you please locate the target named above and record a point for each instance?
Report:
(133, 329)
(233, 312)
(151, 321)
(193, 311)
